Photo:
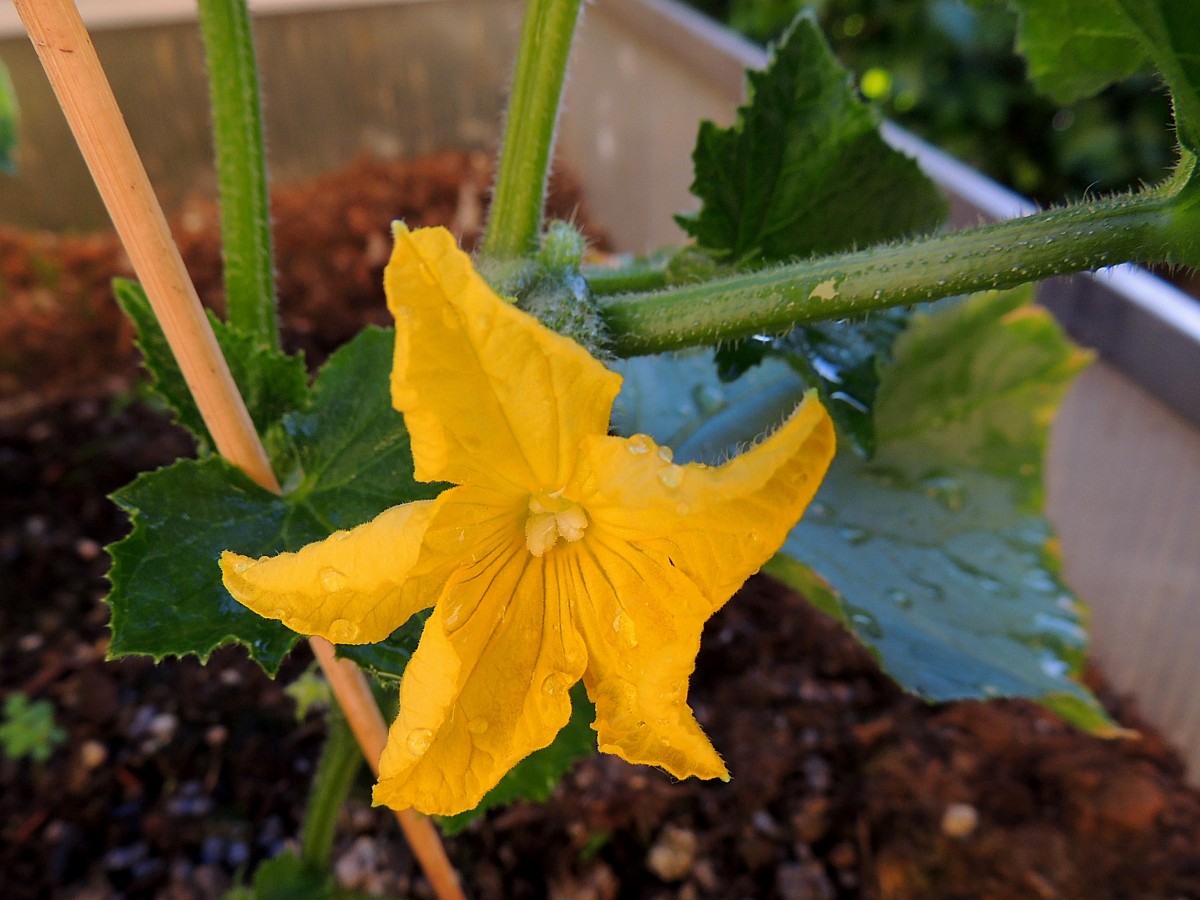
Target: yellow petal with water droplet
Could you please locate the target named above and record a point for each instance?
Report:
(507, 664)
(490, 396)
(718, 524)
(351, 588)
(641, 621)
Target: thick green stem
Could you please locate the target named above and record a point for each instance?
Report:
(516, 213)
(340, 761)
(1076, 238)
(241, 168)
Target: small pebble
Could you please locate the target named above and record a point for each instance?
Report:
(87, 549)
(673, 854)
(959, 820)
(30, 642)
(216, 735)
(92, 754)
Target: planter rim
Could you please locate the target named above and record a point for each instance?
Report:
(103, 14)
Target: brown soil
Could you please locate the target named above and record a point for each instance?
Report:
(177, 778)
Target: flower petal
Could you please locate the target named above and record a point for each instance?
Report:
(717, 524)
(351, 588)
(641, 619)
(488, 684)
(490, 396)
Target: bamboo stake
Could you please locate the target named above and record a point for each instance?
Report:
(66, 52)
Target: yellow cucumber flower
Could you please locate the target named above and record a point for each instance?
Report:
(560, 553)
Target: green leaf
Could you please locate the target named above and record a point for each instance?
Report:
(933, 553)
(8, 123)
(28, 728)
(936, 549)
(167, 597)
(535, 777)
(286, 877)
(803, 170)
(842, 361)
(272, 383)
(1075, 48)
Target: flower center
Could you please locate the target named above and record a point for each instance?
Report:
(552, 516)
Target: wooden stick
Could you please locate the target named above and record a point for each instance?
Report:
(83, 92)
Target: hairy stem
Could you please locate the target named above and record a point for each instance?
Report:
(516, 213)
(340, 761)
(1002, 255)
(241, 168)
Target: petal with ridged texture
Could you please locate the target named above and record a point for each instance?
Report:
(351, 588)
(641, 619)
(489, 682)
(490, 396)
(717, 524)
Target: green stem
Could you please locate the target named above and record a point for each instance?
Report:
(340, 761)
(638, 277)
(519, 197)
(1144, 228)
(241, 168)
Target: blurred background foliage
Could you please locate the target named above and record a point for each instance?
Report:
(947, 71)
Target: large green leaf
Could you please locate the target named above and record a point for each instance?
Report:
(804, 170)
(1077, 47)
(167, 597)
(8, 123)
(934, 552)
(271, 382)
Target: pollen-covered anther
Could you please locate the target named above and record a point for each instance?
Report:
(552, 516)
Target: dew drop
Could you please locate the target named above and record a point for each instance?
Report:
(242, 565)
(279, 614)
(342, 631)
(478, 726)
(340, 535)
(626, 633)
(867, 624)
(682, 509)
(666, 454)
(671, 476)
(709, 399)
(855, 536)
(900, 598)
(639, 444)
(556, 683)
(332, 579)
(418, 741)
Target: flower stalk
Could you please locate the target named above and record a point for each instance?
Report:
(66, 52)
(241, 168)
(516, 213)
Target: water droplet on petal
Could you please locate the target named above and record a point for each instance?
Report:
(671, 476)
(242, 565)
(639, 444)
(682, 509)
(340, 535)
(332, 579)
(418, 741)
(666, 454)
(626, 633)
(556, 683)
(342, 631)
(279, 614)
(478, 726)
